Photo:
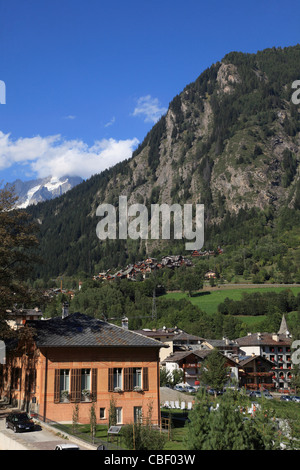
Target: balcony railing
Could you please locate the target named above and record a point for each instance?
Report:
(258, 374)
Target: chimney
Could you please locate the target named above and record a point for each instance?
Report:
(125, 323)
(275, 337)
(65, 310)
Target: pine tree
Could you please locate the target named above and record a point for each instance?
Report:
(228, 429)
(198, 428)
(214, 373)
(17, 240)
(225, 427)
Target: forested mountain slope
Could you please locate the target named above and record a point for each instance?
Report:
(229, 140)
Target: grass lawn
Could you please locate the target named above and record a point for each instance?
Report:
(208, 300)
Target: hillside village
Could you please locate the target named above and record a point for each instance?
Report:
(141, 269)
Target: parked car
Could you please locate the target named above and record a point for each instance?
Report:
(179, 388)
(296, 399)
(212, 391)
(285, 398)
(255, 394)
(67, 447)
(190, 389)
(19, 421)
(268, 395)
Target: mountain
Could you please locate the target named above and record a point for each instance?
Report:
(229, 140)
(43, 189)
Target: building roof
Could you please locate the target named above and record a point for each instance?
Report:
(78, 330)
(200, 353)
(264, 339)
(282, 338)
(179, 355)
(283, 330)
(247, 359)
(183, 336)
(25, 312)
(153, 333)
(220, 343)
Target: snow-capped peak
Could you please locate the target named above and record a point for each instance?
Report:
(34, 191)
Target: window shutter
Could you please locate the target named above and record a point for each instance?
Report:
(110, 380)
(56, 386)
(145, 379)
(75, 395)
(94, 384)
(128, 379)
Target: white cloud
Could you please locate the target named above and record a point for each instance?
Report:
(111, 122)
(150, 108)
(70, 117)
(55, 156)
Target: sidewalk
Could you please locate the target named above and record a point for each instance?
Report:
(43, 438)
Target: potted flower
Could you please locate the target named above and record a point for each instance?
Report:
(64, 395)
(118, 389)
(137, 388)
(86, 394)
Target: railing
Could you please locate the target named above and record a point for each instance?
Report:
(259, 374)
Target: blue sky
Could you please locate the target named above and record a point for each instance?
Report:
(86, 80)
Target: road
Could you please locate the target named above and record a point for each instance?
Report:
(43, 438)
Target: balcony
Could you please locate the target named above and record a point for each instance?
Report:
(257, 374)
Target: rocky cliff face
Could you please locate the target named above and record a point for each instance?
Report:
(229, 140)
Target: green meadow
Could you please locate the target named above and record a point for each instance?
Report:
(209, 299)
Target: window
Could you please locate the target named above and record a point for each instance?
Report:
(64, 384)
(75, 385)
(119, 415)
(134, 378)
(85, 383)
(137, 414)
(64, 379)
(117, 375)
(102, 413)
(137, 377)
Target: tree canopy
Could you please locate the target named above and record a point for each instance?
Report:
(17, 242)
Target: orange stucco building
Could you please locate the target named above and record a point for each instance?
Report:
(79, 360)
